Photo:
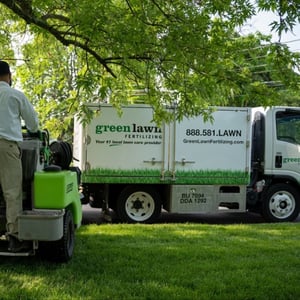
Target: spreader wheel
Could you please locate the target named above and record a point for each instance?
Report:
(65, 246)
(61, 250)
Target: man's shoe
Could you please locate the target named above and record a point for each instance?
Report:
(15, 245)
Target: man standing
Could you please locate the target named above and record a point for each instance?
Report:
(14, 106)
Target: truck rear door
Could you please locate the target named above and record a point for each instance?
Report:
(214, 152)
(125, 149)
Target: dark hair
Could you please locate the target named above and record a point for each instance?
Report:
(4, 68)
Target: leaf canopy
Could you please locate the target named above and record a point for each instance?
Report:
(159, 52)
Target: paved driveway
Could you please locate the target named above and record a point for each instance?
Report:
(94, 215)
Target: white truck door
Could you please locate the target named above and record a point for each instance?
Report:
(213, 153)
(285, 143)
(211, 162)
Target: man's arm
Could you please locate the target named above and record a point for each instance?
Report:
(29, 116)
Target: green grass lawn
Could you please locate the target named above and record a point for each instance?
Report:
(165, 261)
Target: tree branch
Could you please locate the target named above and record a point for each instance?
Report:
(24, 10)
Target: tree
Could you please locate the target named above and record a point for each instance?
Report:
(49, 80)
(6, 51)
(181, 51)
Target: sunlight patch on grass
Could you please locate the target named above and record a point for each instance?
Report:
(165, 261)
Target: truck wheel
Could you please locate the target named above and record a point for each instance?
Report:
(280, 203)
(139, 204)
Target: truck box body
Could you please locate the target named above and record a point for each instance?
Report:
(195, 165)
(133, 149)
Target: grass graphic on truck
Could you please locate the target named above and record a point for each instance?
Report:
(154, 176)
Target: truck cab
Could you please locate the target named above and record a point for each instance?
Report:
(276, 163)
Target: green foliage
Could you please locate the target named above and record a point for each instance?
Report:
(157, 52)
(287, 10)
(6, 52)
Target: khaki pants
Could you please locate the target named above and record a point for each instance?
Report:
(11, 182)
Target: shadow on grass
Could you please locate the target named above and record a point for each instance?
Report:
(192, 256)
(164, 261)
(202, 256)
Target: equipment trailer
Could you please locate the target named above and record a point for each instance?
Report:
(246, 159)
(51, 200)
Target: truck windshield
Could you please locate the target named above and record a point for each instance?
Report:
(288, 126)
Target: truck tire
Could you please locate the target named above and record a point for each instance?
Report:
(61, 250)
(280, 203)
(139, 204)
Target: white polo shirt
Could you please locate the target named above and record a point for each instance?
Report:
(14, 106)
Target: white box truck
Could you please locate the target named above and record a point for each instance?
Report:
(245, 159)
